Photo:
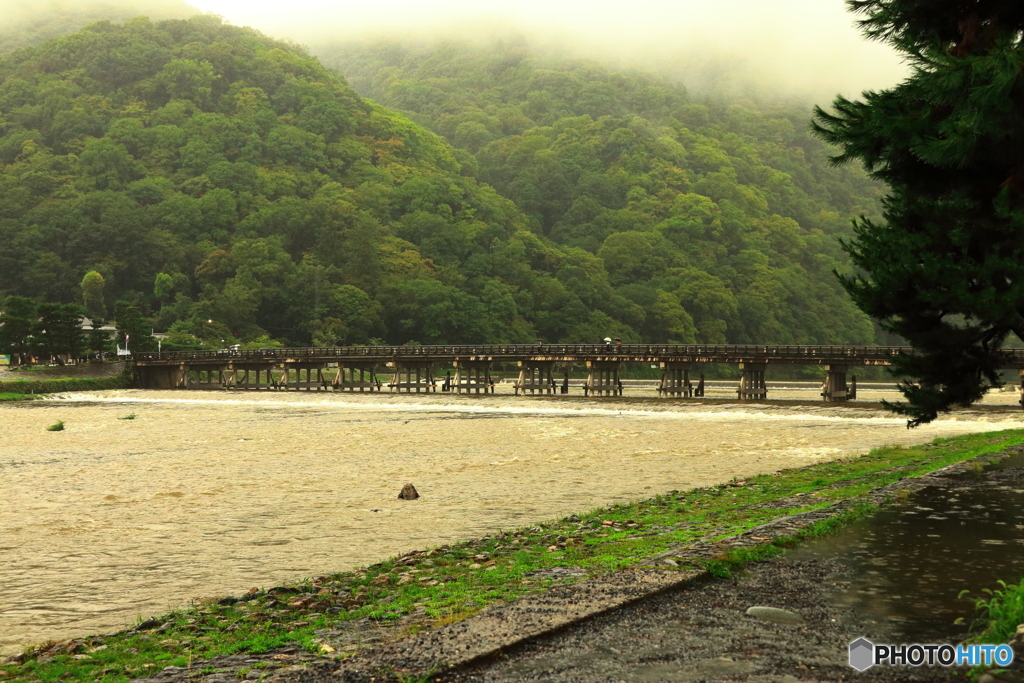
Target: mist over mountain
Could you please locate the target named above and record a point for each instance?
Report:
(683, 201)
(27, 23)
(791, 49)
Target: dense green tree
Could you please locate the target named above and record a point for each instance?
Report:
(431, 312)
(134, 332)
(342, 314)
(92, 295)
(57, 331)
(19, 316)
(163, 286)
(28, 23)
(98, 342)
(945, 268)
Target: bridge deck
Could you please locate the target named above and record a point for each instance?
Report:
(694, 353)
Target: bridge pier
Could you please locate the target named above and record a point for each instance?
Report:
(603, 379)
(209, 377)
(473, 376)
(835, 390)
(237, 376)
(367, 377)
(535, 376)
(161, 376)
(205, 376)
(752, 386)
(675, 380)
(418, 376)
(318, 382)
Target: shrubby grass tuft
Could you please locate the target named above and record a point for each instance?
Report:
(1002, 612)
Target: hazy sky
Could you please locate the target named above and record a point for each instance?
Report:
(809, 47)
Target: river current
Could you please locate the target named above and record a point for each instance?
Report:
(205, 494)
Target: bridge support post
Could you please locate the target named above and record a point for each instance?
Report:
(603, 379)
(535, 376)
(346, 379)
(248, 376)
(675, 380)
(473, 376)
(161, 376)
(413, 375)
(834, 390)
(752, 386)
(309, 383)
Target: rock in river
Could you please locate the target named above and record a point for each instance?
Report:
(408, 493)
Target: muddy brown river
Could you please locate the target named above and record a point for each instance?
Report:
(207, 494)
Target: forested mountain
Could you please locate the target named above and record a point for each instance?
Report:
(229, 184)
(728, 211)
(212, 174)
(28, 23)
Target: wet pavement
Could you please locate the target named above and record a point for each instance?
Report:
(896, 577)
(704, 634)
(911, 561)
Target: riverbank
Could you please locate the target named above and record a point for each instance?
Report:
(340, 615)
(17, 397)
(56, 380)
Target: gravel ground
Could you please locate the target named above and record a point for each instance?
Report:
(703, 634)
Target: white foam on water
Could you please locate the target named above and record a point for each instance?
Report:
(739, 413)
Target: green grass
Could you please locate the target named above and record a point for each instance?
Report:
(453, 582)
(17, 397)
(724, 566)
(1000, 613)
(56, 426)
(57, 386)
(129, 416)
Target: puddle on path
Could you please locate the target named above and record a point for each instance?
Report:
(912, 560)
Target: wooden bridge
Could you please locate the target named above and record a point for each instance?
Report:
(414, 368)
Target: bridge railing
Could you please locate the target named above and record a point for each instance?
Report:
(511, 351)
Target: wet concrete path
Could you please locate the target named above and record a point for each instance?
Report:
(704, 634)
(893, 578)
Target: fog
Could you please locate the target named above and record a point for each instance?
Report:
(808, 49)
(791, 49)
